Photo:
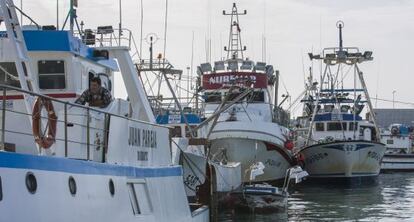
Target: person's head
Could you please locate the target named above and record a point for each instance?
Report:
(95, 84)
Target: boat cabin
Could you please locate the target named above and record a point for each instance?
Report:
(62, 65)
(332, 124)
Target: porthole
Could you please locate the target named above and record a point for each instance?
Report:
(1, 191)
(31, 182)
(72, 185)
(111, 187)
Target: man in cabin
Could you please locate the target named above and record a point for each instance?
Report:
(96, 95)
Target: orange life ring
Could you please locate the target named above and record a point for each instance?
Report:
(48, 140)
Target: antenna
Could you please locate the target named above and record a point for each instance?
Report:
(340, 25)
(120, 21)
(235, 43)
(57, 14)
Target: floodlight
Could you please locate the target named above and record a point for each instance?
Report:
(312, 56)
(355, 55)
(233, 65)
(261, 66)
(206, 67)
(269, 70)
(219, 66)
(342, 54)
(247, 65)
(330, 56)
(367, 54)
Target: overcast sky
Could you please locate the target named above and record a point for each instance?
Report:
(292, 28)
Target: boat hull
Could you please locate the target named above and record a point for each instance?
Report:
(276, 160)
(348, 160)
(249, 143)
(160, 190)
(397, 162)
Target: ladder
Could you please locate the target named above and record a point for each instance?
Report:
(8, 15)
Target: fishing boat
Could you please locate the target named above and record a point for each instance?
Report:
(189, 144)
(399, 156)
(240, 98)
(263, 197)
(62, 161)
(335, 142)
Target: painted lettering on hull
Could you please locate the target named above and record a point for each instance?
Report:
(142, 137)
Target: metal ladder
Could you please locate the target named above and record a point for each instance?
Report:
(8, 15)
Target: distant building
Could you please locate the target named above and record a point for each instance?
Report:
(386, 117)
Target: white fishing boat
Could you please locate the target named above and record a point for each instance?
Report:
(190, 147)
(263, 197)
(71, 162)
(337, 143)
(240, 98)
(399, 155)
(198, 169)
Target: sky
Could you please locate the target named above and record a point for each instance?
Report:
(292, 28)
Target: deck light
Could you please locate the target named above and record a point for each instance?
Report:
(219, 66)
(206, 67)
(233, 65)
(269, 70)
(368, 55)
(261, 66)
(312, 56)
(247, 65)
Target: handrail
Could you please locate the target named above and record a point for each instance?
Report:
(111, 39)
(2, 86)
(89, 145)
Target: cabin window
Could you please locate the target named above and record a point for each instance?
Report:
(335, 126)
(256, 97)
(351, 126)
(176, 131)
(213, 97)
(233, 96)
(51, 74)
(320, 126)
(8, 74)
(390, 141)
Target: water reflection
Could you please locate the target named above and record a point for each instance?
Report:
(391, 199)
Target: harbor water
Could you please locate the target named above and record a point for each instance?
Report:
(391, 199)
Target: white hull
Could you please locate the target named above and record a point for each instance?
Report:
(351, 159)
(251, 142)
(398, 162)
(159, 191)
(244, 151)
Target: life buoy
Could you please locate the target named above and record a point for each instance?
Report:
(44, 141)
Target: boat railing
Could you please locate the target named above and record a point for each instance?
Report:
(68, 117)
(110, 38)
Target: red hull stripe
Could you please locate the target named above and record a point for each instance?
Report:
(54, 95)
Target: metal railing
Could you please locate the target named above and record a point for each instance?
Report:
(66, 121)
(111, 38)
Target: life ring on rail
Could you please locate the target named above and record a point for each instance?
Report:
(44, 141)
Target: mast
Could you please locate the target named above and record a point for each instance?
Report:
(235, 43)
(341, 55)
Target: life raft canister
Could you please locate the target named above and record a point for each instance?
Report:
(44, 141)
